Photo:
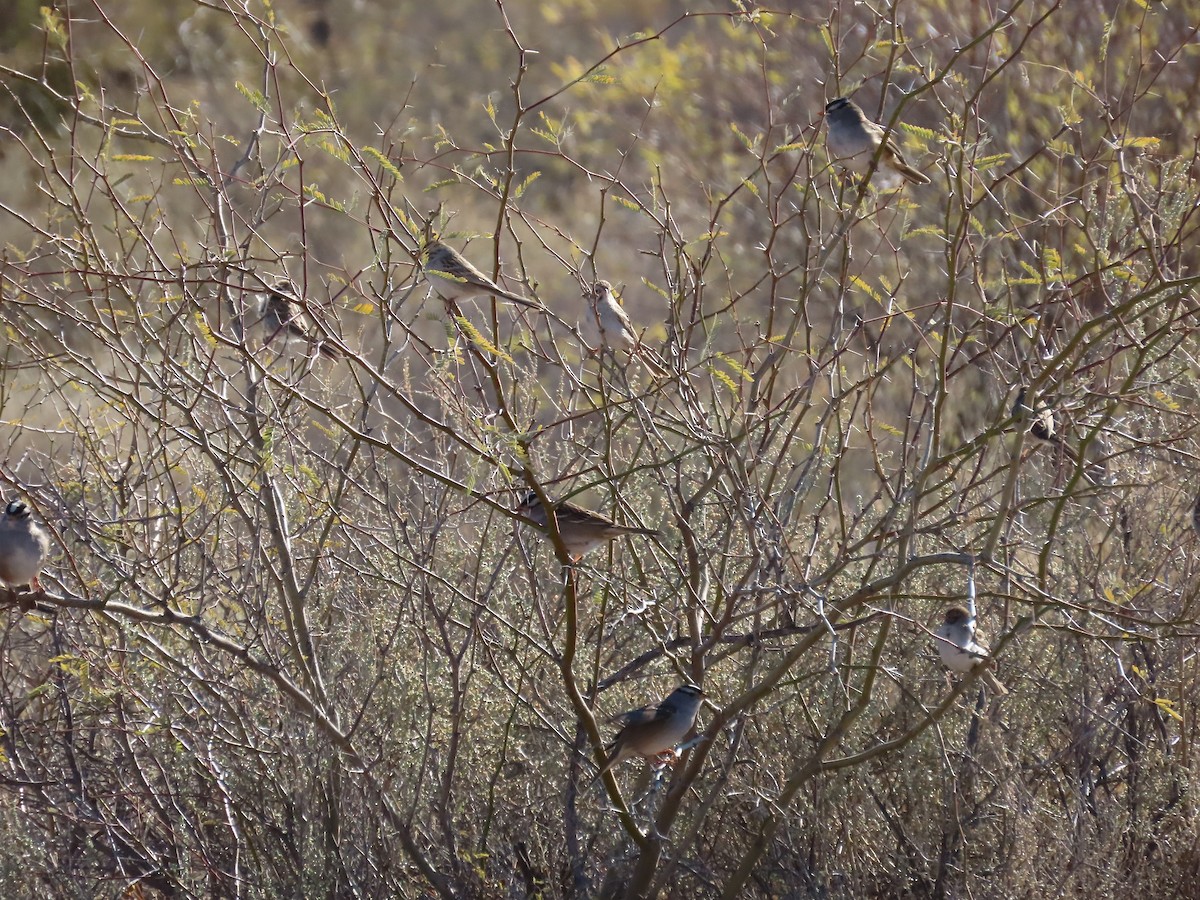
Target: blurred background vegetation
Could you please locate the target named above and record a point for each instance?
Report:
(294, 641)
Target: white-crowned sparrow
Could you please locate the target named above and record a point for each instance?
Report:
(609, 324)
(456, 279)
(654, 730)
(852, 140)
(960, 646)
(23, 547)
(1043, 425)
(581, 530)
(285, 322)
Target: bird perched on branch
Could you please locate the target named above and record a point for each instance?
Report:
(284, 320)
(1043, 424)
(609, 323)
(456, 279)
(581, 530)
(852, 140)
(960, 646)
(655, 730)
(23, 548)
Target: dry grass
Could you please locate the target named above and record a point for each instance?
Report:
(294, 641)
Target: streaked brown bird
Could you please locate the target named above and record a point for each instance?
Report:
(456, 279)
(581, 530)
(609, 324)
(1042, 423)
(284, 320)
(607, 321)
(651, 731)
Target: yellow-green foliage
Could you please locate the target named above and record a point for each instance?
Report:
(294, 641)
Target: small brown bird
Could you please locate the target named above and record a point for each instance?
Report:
(607, 321)
(610, 325)
(581, 530)
(456, 279)
(1043, 425)
(960, 646)
(284, 319)
(654, 730)
(852, 140)
(23, 547)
